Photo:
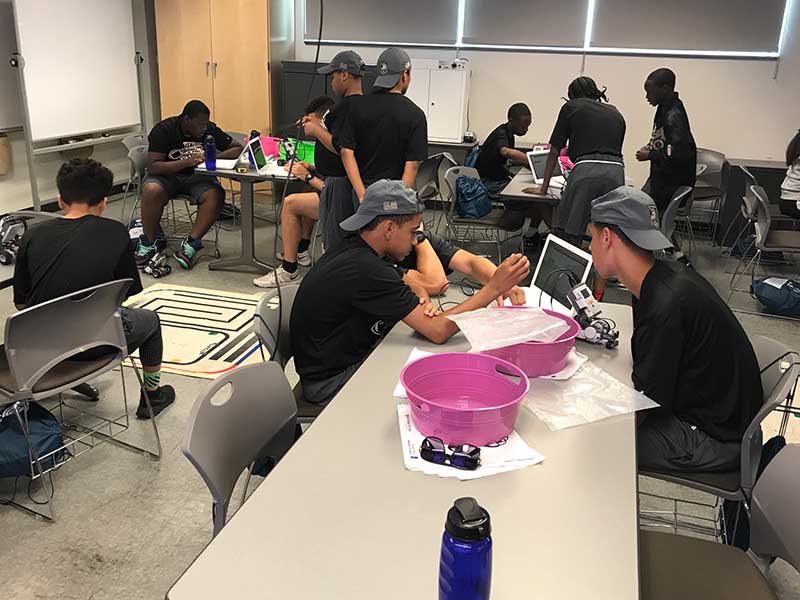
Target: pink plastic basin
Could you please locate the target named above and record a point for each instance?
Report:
(537, 359)
(464, 398)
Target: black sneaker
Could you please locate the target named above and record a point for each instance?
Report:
(160, 398)
(88, 391)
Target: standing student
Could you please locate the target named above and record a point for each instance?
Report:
(496, 155)
(387, 137)
(672, 152)
(790, 188)
(175, 146)
(595, 131)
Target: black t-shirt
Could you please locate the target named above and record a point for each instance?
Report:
(327, 163)
(445, 251)
(385, 132)
(591, 127)
(61, 256)
(691, 355)
(167, 135)
(491, 164)
(345, 305)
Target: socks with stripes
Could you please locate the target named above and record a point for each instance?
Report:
(152, 379)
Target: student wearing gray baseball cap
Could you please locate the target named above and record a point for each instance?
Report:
(690, 353)
(387, 136)
(352, 297)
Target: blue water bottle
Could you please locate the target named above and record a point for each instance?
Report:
(210, 149)
(465, 566)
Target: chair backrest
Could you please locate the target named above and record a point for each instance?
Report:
(749, 178)
(668, 218)
(139, 157)
(427, 182)
(134, 140)
(450, 177)
(763, 217)
(229, 428)
(40, 337)
(777, 381)
(272, 308)
(774, 526)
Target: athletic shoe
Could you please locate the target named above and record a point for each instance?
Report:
(88, 391)
(145, 252)
(160, 398)
(284, 278)
(186, 255)
(303, 258)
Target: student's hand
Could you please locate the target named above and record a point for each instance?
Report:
(510, 272)
(198, 159)
(643, 154)
(515, 294)
(430, 309)
(312, 125)
(543, 190)
(299, 170)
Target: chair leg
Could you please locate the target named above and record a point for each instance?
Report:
(21, 410)
(247, 483)
(147, 402)
(218, 513)
(737, 276)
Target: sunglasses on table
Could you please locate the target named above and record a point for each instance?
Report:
(462, 456)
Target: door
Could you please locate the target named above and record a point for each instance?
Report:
(444, 105)
(240, 65)
(183, 33)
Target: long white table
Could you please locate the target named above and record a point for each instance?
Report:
(340, 517)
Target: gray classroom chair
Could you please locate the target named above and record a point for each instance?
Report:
(138, 157)
(711, 188)
(276, 338)
(228, 429)
(679, 198)
(766, 239)
(36, 363)
(688, 568)
(427, 182)
(485, 230)
(737, 485)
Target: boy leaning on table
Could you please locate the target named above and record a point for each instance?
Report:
(690, 353)
(353, 297)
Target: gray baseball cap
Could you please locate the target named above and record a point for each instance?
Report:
(347, 61)
(384, 198)
(635, 213)
(391, 64)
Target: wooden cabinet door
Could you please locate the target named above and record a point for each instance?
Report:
(240, 49)
(183, 32)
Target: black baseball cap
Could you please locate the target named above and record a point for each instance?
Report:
(635, 213)
(385, 197)
(347, 61)
(391, 64)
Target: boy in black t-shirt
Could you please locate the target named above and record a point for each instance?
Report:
(176, 148)
(352, 297)
(499, 150)
(690, 353)
(387, 136)
(81, 250)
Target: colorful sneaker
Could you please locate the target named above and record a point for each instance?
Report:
(303, 258)
(186, 255)
(145, 252)
(284, 278)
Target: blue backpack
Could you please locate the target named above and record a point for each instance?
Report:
(472, 158)
(779, 296)
(472, 199)
(45, 434)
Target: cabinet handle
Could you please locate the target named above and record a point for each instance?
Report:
(208, 64)
(214, 69)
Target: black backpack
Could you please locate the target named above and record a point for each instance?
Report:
(45, 434)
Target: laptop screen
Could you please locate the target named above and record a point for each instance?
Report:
(537, 162)
(258, 154)
(560, 270)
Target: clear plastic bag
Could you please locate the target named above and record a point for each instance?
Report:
(489, 328)
(589, 395)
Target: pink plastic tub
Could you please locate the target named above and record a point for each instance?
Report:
(464, 398)
(541, 358)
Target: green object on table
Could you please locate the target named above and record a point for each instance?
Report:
(305, 150)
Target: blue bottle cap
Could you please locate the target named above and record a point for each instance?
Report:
(468, 521)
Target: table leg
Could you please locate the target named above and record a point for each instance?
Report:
(247, 258)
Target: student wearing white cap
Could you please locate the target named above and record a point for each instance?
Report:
(690, 353)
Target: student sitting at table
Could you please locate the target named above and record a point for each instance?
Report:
(351, 298)
(690, 353)
(83, 249)
(176, 148)
(426, 267)
(496, 155)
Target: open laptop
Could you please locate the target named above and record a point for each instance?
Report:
(551, 282)
(537, 159)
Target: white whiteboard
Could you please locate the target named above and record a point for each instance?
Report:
(10, 112)
(79, 73)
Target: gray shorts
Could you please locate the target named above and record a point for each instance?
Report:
(587, 181)
(191, 185)
(665, 443)
(337, 202)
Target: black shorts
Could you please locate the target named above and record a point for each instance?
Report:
(191, 185)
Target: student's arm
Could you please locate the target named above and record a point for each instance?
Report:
(518, 157)
(562, 132)
(126, 269)
(22, 276)
(353, 173)
(552, 161)
(439, 328)
(232, 152)
(481, 270)
(226, 147)
(658, 344)
(416, 150)
(313, 127)
(300, 170)
(159, 165)
(429, 275)
(410, 173)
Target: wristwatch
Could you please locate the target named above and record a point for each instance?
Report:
(421, 237)
(309, 177)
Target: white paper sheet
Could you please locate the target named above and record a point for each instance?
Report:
(399, 390)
